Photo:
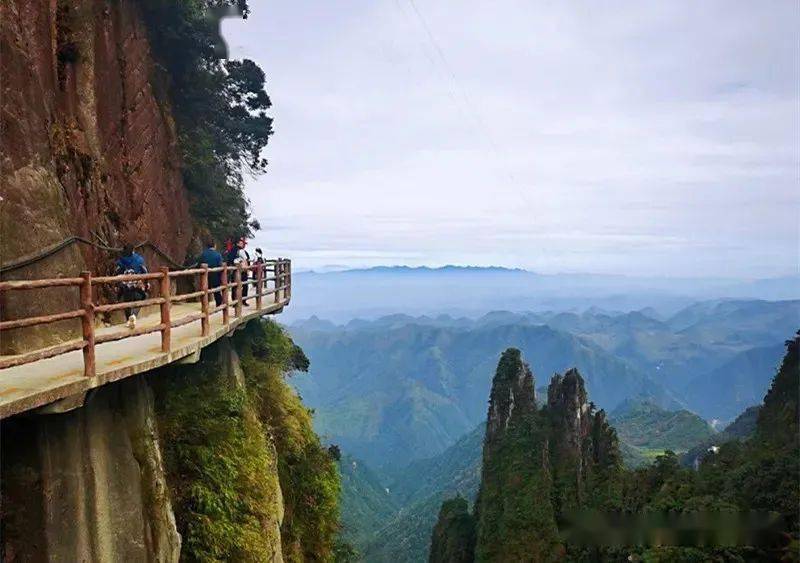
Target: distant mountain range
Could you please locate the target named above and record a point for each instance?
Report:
(715, 358)
(341, 295)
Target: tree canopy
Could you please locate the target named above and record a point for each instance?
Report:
(219, 106)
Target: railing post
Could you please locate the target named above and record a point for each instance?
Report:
(259, 283)
(283, 280)
(238, 281)
(278, 275)
(87, 324)
(166, 332)
(288, 279)
(225, 295)
(204, 300)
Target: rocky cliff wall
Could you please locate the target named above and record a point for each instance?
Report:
(88, 485)
(180, 451)
(87, 148)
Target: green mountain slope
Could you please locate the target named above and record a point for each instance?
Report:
(645, 425)
(687, 348)
(421, 487)
(739, 383)
(457, 469)
(580, 468)
(365, 504)
(390, 396)
(741, 429)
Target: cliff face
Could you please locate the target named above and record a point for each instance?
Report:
(537, 464)
(88, 485)
(87, 148)
(516, 482)
(453, 538)
(213, 461)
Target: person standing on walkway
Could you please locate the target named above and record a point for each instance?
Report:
(243, 258)
(213, 258)
(130, 263)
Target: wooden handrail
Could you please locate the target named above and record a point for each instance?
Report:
(166, 331)
(237, 279)
(87, 325)
(37, 284)
(225, 296)
(260, 281)
(126, 278)
(204, 322)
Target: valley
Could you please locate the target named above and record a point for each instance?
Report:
(404, 397)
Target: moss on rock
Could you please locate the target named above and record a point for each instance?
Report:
(308, 475)
(250, 479)
(221, 465)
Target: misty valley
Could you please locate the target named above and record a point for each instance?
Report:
(405, 397)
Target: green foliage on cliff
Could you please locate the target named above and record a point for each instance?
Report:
(220, 464)
(644, 424)
(453, 539)
(237, 440)
(586, 472)
(515, 519)
(760, 474)
(308, 474)
(219, 109)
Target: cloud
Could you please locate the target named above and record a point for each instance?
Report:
(644, 138)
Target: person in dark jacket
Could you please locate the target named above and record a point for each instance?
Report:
(213, 258)
(131, 263)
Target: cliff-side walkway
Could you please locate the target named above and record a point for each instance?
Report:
(108, 354)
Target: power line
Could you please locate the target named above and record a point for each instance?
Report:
(470, 108)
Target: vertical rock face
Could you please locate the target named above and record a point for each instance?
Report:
(537, 464)
(88, 485)
(570, 411)
(584, 445)
(87, 149)
(571, 418)
(515, 520)
(512, 399)
(453, 539)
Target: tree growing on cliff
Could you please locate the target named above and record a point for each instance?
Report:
(577, 458)
(453, 539)
(220, 110)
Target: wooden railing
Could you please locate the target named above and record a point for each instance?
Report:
(257, 275)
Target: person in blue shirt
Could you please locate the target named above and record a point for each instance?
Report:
(213, 258)
(131, 263)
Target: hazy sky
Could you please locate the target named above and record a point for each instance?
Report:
(653, 138)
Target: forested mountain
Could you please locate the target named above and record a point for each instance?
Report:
(392, 395)
(407, 394)
(645, 425)
(737, 384)
(420, 488)
(539, 463)
(366, 504)
(399, 385)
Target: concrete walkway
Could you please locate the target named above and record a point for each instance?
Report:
(61, 378)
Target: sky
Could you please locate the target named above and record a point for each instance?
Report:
(638, 138)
